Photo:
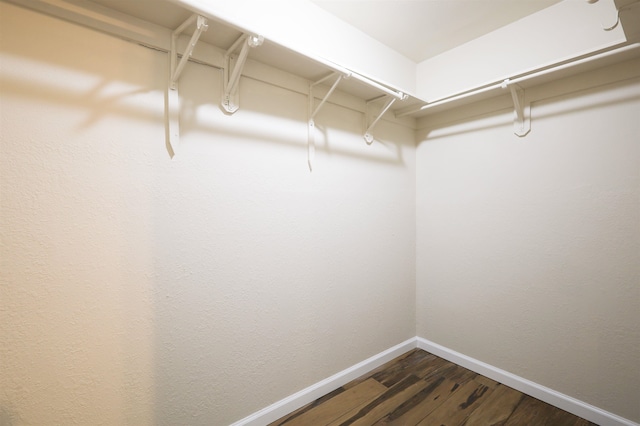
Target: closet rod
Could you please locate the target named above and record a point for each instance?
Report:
(396, 94)
(533, 74)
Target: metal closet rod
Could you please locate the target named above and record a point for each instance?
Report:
(533, 74)
(350, 74)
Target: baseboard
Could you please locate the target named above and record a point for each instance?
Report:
(565, 402)
(313, 392)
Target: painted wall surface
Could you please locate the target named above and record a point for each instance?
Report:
(140, 290)
(528, 249)
(560, 32)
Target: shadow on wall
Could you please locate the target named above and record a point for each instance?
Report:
(201, 112)
(153, 276)
(501, 118)
(498, 111)
(5, 418)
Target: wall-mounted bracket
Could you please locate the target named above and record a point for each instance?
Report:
(231, 78)
(311, 142)
(369, 125)
(176, 68)
(522, 110)
(632, 19)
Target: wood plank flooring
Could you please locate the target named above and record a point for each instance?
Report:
(419, 388)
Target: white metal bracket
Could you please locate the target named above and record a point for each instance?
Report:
(369, 125)
(522, 110)
(311, 142)
(176, 68)
(230, 78)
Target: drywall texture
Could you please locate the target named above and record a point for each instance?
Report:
(140, 290)
(528, 249)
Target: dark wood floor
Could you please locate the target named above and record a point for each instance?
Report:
(419, 388)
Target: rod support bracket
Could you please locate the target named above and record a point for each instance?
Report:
(369, 124)
(231, 77)
(172, 99)
(313, 111)
(522, 109)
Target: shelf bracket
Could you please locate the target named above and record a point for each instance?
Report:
(311, 142)
(176, 68)
(368, 137)
(522, 110)
(231, 78)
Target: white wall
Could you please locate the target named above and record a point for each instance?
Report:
(528, 249)
(139, 290)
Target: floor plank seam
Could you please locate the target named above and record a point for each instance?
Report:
(421, 389)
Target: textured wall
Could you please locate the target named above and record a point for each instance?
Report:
(139, 290)
(528, 249)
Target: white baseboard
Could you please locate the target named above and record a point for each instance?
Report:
(313, 392)
(565, 402)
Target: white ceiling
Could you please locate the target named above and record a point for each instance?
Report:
(420, 29)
